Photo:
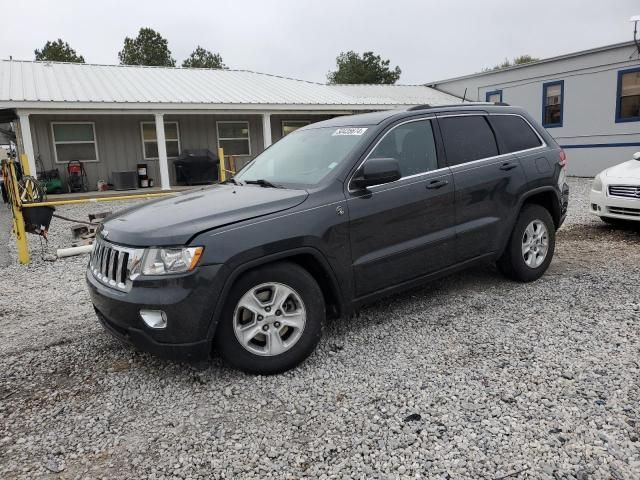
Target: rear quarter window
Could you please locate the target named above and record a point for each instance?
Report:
(467, 138)
(514, 133)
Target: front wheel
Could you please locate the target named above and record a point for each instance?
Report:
(272, 320)
(531, 246)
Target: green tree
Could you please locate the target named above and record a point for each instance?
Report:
(368, 68)
(522, 59)
(201, 58)
(148, 48)
(58, 51)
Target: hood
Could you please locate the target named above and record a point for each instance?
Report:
(174, 220)
(628, 170)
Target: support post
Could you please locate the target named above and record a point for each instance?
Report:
(22, 245)
(266, 129)
(163, 162)
(27, 143)
(223, 169)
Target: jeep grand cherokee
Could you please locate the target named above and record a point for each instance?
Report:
(332, 216)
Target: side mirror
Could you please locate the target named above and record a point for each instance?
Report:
(636, 156)
(377, 171)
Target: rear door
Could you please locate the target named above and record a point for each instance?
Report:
(517, 136)
(487, 184)
(404, 229)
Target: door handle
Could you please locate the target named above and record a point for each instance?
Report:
(436, 184)
(508, 166)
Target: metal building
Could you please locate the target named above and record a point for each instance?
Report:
(113, 117)
(589, 101)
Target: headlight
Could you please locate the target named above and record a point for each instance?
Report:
(597, 184)
(162, 261)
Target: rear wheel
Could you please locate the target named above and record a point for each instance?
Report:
(531, 246)
(272, 319)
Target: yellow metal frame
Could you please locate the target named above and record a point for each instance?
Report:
(11, 182)
(17, 206)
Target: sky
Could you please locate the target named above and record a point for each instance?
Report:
(430, 40)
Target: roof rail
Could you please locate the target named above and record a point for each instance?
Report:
(419, 107)
(465, 104)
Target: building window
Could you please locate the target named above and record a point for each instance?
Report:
(628, 96)
(289, 126)
(234, 138)
(494, 97)
(74, 141)
(150, 140)
(552, 103)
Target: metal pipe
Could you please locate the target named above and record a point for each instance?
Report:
(95, 200)
(71, 251)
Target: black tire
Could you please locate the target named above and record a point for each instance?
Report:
(512, 263)
(288, 274)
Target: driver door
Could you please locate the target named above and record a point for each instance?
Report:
(405, 229)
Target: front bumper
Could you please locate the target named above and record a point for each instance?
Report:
(604, 205)
(188, 301)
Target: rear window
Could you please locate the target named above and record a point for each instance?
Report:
(467, 138)
(514, 132)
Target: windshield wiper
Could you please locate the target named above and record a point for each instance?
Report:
(262, 182)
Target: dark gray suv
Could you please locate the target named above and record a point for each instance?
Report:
(330, 217)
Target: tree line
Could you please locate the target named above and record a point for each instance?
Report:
(150, 48)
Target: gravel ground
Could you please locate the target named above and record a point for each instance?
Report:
(470, 377)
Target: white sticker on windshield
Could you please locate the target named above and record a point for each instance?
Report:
(350, 131)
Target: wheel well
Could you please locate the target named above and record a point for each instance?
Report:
(320, 274)
(547, 200)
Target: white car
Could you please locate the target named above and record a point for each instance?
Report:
(615, 192)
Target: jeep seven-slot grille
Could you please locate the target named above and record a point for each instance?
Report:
(628, 191)
(111, 264)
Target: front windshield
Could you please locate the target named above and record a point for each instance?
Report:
(303, 157)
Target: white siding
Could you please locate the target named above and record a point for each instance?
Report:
(590, 90)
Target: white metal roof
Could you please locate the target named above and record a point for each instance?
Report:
(69, 85)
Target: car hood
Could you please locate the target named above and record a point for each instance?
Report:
(176, 219)
(625, 171)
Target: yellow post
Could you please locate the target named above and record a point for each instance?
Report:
(223, 171)
(18, 220)
(24, 162)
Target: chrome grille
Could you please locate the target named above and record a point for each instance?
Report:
(632, 212)
(628, 191)
(114, 265)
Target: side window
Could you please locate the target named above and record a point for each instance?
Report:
(467, 138)
(412, 144)
(514, 132)
(552, 103)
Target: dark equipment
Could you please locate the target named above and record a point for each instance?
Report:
(125, 180)
(77, 177)
(38, 219)
(197, 167)
(50, 179)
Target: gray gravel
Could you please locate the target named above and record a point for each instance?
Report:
(470, 377)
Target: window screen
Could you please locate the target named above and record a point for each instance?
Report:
(74, 141)
(467, 138)
(233, 137)
(412, 144)
(150, 141)
(514, 132)
(552, 94)
(629, 93)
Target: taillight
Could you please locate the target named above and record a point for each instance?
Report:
(563, 159)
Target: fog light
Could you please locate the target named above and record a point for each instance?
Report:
(154, 318)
